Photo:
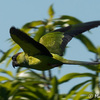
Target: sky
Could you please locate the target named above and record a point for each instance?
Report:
(18, 12)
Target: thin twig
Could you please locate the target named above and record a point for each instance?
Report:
(50, 75)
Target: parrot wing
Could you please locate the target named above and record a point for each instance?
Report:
(29, 45)
(56, 41)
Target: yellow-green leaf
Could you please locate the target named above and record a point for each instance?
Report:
(70, 76)
(51, 11)
(80, 92)
(2, 78)
(26, 28)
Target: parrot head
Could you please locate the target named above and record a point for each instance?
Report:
(18, 59)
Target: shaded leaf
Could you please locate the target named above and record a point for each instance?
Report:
(4, 93)
(54, 89)
(27, 95)
(31, 76)
(93, 68)
(39, 92)
(13, 50)
(5, 55)
(39, 33)
(89, 45)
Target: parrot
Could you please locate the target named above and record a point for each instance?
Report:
(47, 53)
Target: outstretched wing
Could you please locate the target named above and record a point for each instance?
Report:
(56, 41)
(29, 45)
(52, 41)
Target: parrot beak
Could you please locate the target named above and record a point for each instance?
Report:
(14, 60)
(14, 64)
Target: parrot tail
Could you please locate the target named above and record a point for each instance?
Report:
(72, 62)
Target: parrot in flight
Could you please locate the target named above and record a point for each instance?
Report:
(47, 53)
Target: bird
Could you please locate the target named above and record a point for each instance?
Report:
(47, 53)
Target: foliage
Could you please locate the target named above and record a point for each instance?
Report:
(29, 85)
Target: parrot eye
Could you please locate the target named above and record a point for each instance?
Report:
(15, 56)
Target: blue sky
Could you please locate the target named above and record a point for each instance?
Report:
(18, 12)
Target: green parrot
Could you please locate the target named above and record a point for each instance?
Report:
(47, 53)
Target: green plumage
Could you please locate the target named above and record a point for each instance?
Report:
(46, 53)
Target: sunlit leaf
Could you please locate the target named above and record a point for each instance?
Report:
(6, 72)
(27, 27)
(75, 88)
(2, 78)
(80, 92)
(86, 95)
(98, 49)
(8, 62)
(72, 20)
(7, 84)
(51, 11)
(70, 76)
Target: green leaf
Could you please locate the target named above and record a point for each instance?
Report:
(39, 33)
(74, 89)
(7, 84)
(98, 49)
(39, 92)
(5, 55)
(31, 76)
(2, 78)
(70, 76)
(51, 11)
(54, 89)
(8, 62)
(87, 95)
(72, 20)
(27, 27)
(29, 95)
(80, 92)
(89, 45)
(14, 50)
(4, 93)
(6, 72)
(92, 67)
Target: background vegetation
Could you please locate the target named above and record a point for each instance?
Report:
(27, 84)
